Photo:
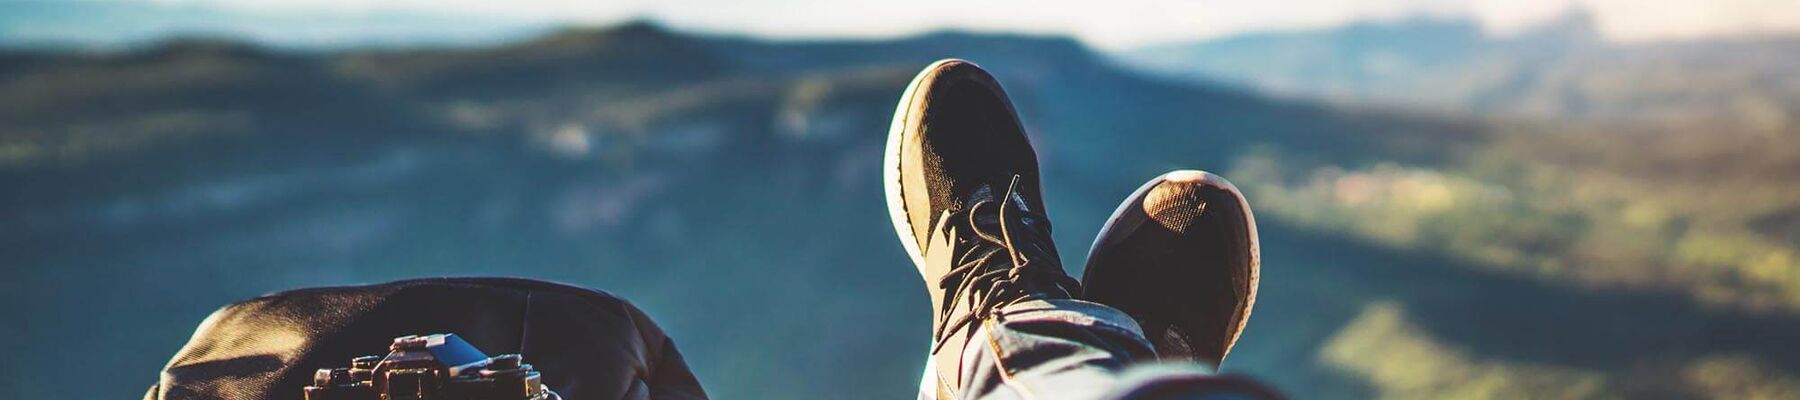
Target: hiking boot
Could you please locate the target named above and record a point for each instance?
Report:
(962, 189)
(1181, 256)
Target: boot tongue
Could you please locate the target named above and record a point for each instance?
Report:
(1031, 222)
(1017, 209)
(1024, 231)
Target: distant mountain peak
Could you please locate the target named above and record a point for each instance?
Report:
(1575, 25)
(638, 31)
(1420, 25)
(1052, 43)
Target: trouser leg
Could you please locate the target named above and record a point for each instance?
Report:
(1072, 349)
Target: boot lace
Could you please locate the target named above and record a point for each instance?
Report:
(982, 274)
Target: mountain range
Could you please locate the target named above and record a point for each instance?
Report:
(1564, 69)
(729, 186)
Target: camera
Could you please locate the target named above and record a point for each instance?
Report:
(431, 367)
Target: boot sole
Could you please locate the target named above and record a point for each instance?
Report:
(1136, 199)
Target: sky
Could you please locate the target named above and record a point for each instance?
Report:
(1109, 24)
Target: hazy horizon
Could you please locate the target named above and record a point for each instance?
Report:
(1131, 24)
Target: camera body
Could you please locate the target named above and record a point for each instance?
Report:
(431, 367)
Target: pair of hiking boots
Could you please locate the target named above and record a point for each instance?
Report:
(1179, 255)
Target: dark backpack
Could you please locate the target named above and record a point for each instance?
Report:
(588, 344)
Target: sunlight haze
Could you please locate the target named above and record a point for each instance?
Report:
(1117, 24)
